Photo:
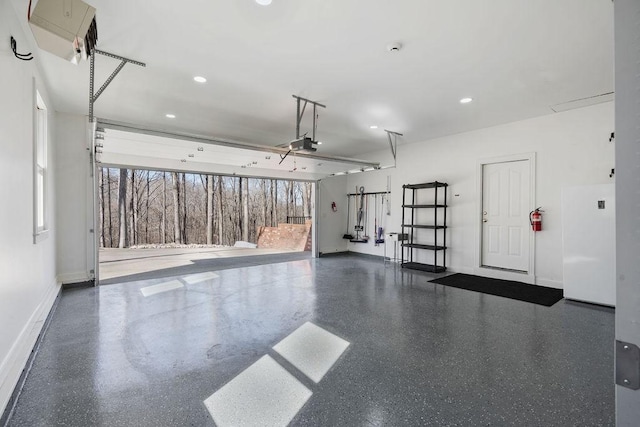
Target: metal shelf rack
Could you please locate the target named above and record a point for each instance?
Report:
(410, 225)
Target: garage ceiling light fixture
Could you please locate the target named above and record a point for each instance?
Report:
(200, 79)
(170, 116)
(263, 2)
(466, 100)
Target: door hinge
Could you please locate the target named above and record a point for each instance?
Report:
(627, 365)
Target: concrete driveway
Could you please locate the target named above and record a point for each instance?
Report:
(122, 263)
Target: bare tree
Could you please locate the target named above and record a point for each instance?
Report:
(176, 208)
(146, 222)
(244, 182)
(163, 218)
(220, 213)
(206, 208)
(184, 208)
(308, 194)
(274, 202)
(265, 200)
(101, 204)
(133, 208)
(209, 209)
(109, 204)
(123, 241)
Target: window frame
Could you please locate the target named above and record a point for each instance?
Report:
(40, 172)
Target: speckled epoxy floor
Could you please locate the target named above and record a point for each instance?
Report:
(419, 353)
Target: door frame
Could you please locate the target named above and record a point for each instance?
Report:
(479, 269)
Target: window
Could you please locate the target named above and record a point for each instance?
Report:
(40, 225)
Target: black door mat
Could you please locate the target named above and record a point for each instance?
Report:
(503, 288)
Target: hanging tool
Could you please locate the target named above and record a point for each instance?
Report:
(375, 218)
(359, 227)
(366, 217)
(361, 211)
(379, 229)
(388, 195)
(348, 235)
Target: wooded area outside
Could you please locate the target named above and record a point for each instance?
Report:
(156, 207)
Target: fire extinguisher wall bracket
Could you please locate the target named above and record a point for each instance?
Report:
(535, 219)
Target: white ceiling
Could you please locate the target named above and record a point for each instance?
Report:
(516, 58)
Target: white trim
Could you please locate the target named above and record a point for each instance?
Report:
(529, 276)
(15, 361)
(93, 220)
(76, 277)
(495, 273)
(556, 284)
(315, 189)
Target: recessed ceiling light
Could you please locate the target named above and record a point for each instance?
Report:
(170, 116)
(373, 127)
(200, 148)
(192, 155)
(200, 79)
(263, 2)
(466, 100)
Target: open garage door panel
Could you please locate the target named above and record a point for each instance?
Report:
(133, 149)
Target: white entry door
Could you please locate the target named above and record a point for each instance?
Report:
(505, 215)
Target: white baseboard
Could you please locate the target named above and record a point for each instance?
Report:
(556, 284)
(504, 275)
(13, 364)
(76, 277)
(332, 250)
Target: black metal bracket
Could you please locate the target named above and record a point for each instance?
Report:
(94, 96)
(368, 194)
(393, 141)
(283, 157)
(300, 114)
(627, 365)
(21, 56)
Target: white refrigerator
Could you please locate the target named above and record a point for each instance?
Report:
(589, 243)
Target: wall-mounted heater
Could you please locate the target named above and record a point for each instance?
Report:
(66, 28)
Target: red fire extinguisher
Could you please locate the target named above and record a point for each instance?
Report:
(535, 218)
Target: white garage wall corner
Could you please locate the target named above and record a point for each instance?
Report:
(332, 225)
(73, 185)
(28, 285)
(627, 57)
(571, 148)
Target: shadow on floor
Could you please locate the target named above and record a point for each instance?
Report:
(202, 265)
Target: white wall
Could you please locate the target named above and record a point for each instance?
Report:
(627, 54)
(73, 197)
(27, 271)
(572, 148)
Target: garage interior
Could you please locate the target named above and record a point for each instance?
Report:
(436, 135)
